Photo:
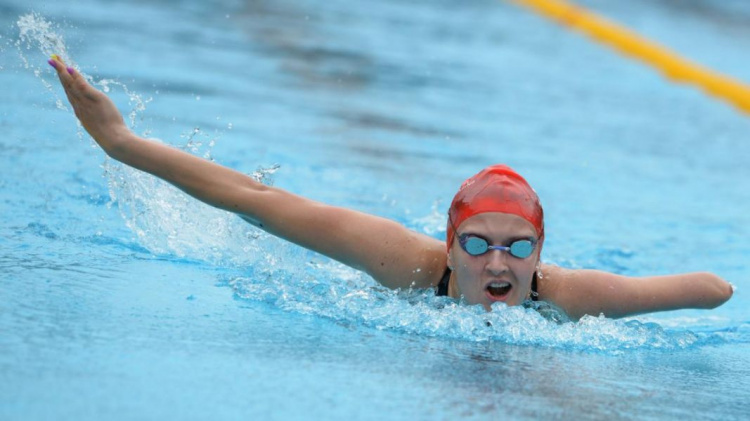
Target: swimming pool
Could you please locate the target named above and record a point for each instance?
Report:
(122, 299)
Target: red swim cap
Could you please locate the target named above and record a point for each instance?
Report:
(495, 189)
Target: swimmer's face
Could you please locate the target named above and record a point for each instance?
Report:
(495, 275)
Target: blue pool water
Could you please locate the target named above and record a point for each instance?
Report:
(120, 298)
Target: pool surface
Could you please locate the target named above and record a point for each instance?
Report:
(121, 298)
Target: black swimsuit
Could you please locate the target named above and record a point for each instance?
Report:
(442, 287)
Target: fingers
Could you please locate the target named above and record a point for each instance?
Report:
(69, 77)
(65, 79)
(63, 75)
(62, 72)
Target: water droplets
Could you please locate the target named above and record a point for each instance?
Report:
(194, 142)
(432, 223)
(36, 32)
(265, 175)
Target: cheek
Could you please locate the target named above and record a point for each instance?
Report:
(467, 271)
(458, 260)
(525, 270)
(467, 265)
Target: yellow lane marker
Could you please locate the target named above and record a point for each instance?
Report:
(630, 43)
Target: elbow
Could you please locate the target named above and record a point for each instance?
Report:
(719, 291)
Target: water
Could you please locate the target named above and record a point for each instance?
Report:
(122, 298)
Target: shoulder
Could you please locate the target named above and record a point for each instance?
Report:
(583, 291)
(431, 260)
(551, 281)
(408, 259)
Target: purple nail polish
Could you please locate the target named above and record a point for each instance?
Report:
(52, 63)
(71, 70)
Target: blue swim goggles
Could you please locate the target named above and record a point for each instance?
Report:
(477, 246)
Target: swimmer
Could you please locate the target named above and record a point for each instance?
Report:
(494, 239)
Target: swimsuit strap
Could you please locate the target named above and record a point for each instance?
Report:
(442, 286)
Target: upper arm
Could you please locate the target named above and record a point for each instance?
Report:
(389, 252)
(582, 291)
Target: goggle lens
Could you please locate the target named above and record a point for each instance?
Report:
(476, 246)
(521, 248)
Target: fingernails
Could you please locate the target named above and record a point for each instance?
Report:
(52, 63)
(71, 70)
(55, 57)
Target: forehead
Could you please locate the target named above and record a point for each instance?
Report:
(498, 225)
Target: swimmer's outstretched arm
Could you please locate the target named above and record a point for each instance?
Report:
(389, 252)
(582, 291)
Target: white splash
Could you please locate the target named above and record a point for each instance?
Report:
(342, 294)
(37, 32)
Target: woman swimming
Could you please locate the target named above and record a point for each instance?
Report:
(493, 248)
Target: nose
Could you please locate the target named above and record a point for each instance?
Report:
(497, 261)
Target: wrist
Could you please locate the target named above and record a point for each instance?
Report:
(117, 141)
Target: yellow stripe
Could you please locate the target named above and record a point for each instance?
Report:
(630, 43)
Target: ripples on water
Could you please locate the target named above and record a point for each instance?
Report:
(167, 222)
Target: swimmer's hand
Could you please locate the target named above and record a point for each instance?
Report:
(96, 112)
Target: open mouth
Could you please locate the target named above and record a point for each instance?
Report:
(498, 290)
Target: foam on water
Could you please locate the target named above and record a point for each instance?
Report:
(168, 222)
(342, 294)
